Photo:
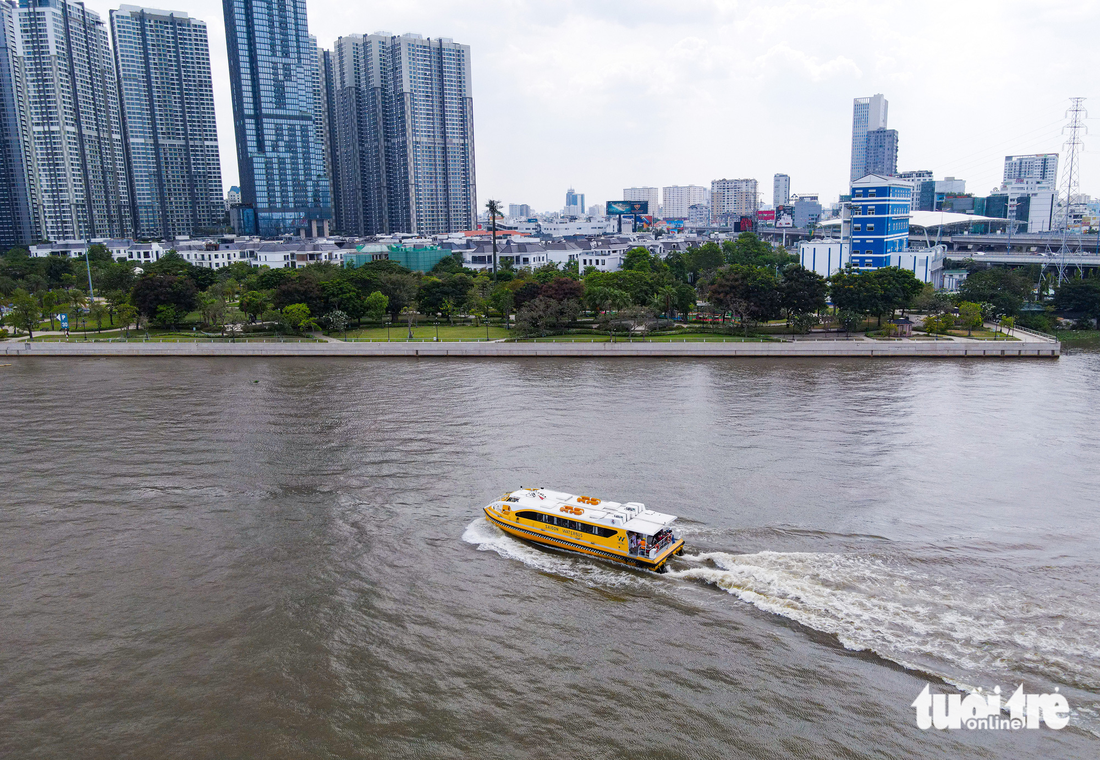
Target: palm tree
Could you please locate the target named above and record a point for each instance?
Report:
(494, 209)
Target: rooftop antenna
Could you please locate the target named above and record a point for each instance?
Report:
(1074, 145)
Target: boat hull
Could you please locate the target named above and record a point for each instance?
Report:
(564, 542)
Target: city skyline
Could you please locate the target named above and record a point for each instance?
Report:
(782, 60)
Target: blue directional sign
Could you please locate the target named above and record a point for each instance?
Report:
(64, 321)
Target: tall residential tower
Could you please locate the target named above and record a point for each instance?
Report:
(77, 164)
(163, 62)
(676, 200)
(404, 134)
(17, 224)
(272, 71)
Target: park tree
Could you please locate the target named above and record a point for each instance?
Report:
(932, 301)
(301, 289)
(547, 272)
(342, 295)
(640, 260)
(400, 289)
(706, 258)
(504, 301)
(752, 293)
(127, 315)
(48, 299)
(336, 320)
(1080, 296)
(254, 303)
(26, 312)
(296, 317)
(167, 316)
(98, 312)
(375, 305)
(543, 316)
(970, 316)
(524, 291)
(152, 291)
(898, 288)
(852, 290)
(748, 249)
(802, 291)
(1005, 289)
(850, 320)
(563, 289)
(98, 253)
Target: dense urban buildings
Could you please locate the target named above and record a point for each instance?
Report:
(868, 114)
(272, 73)
(781, 190)
(76, 163)
(732, 199)
(519, 210)
(404, 138)
(647, 194)
(676, 200)
(167, 99)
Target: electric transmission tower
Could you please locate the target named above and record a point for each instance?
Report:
(1071, 180)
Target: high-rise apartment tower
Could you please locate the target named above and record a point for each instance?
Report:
(404, 139)
(76, 168)
(676, 200)
(167, 98)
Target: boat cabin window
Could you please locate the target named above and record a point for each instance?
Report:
(563, 522)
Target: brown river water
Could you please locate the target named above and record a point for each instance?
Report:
(287, 558)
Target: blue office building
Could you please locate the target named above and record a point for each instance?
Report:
(272, 70)
(880, 220)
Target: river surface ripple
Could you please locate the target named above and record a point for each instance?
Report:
(286, 557)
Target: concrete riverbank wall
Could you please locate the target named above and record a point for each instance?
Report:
(1036, 348)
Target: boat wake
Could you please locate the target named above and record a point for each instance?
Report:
(488, 537)
(952, 630)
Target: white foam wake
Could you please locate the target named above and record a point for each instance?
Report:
(488, 537)
(911, 618)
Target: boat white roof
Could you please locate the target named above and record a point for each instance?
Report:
(632, 515)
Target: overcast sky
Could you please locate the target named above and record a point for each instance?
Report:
(605, 95)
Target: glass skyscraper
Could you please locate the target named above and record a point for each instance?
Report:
(163, 62)
(77, 178)
(272, 71)
(404, 137)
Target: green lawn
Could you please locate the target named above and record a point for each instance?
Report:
(981, 335)
(425, 332)
(688, 338)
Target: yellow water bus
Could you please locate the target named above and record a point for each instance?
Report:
(627, 533)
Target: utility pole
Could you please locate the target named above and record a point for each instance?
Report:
(87, 263)
(1074, 145)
